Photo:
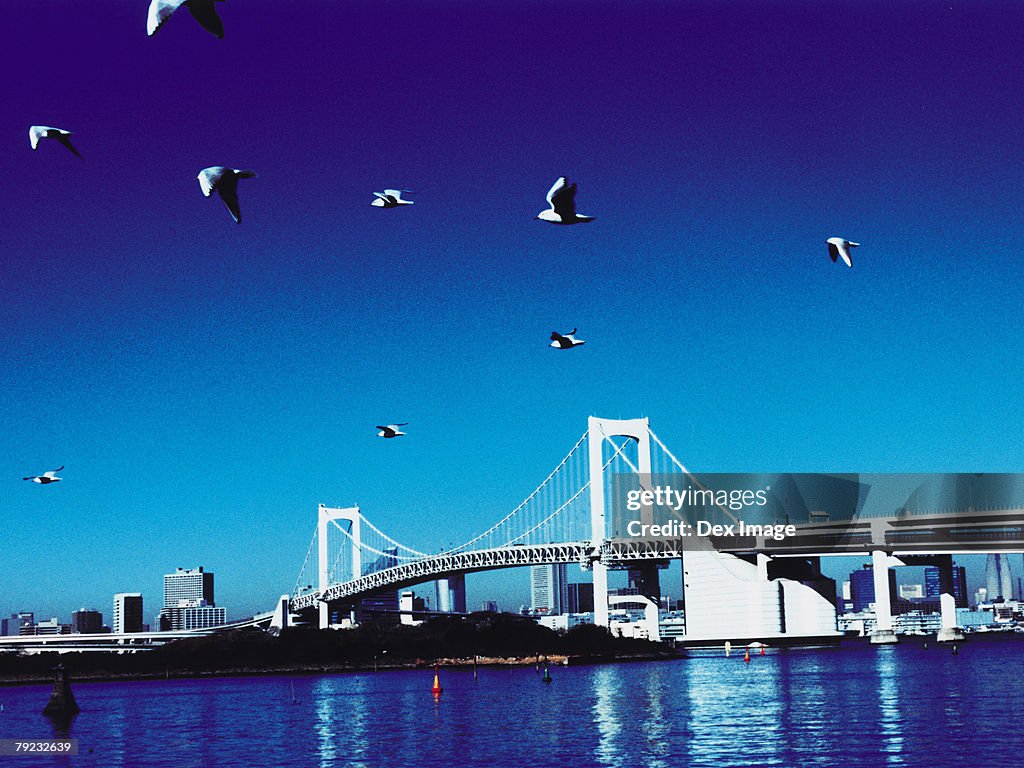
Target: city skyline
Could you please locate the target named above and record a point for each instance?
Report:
(206, 384)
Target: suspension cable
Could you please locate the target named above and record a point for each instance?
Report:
(525, 501)
(305, 562)
(586, 485)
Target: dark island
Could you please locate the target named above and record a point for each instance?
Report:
(479, 638)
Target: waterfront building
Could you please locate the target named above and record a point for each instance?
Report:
(970, 619)
(998, 578)
(730, 598)
(565, 621)
(910, 591)
(189, 601)
(186, 616)
(489, 606)
(917, 623)
(12, 626)
(450, 593)
(409, 602)
(86, 621)
(862, 588)
(672, 625)
(549, 589)
(127, 612)
(52, 627)
(933, 588)
(580, 598)
(189, 584)
(383, 604)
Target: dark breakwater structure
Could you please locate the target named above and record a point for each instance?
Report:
(62, 705)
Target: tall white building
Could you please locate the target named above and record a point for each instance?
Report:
(549, 589)
(127, 612)
(728, 598)
(189, 602)
(189, 584)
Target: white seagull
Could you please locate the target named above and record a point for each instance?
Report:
(390, 198)
(225, 182)
(202, 10)
(37, 132)
(47, 477)
(565, 340)
(562, 199)
(391, 430)
(839, 248)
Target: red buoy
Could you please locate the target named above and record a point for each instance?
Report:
(436, 690)
(746, 656)
(762, 650)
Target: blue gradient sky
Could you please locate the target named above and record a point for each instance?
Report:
(208, 384)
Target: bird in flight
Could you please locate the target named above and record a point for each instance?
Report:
(839, 248)
(202, 11)
(37, 132)
(47, 477)
(565, 340)
(390, 198)
(391, 430)
(562, 199)
(225, 182)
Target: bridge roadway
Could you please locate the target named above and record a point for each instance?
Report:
(126, 642)
(933, 533)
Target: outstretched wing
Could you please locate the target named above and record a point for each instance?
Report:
(833, 252)
(228, 190)
(159, 12)
(35, 133)
(65, 139)
(209, 178)
(206, 15)
(563, 199)
(556, 187)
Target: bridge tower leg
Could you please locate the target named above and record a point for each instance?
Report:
(883, 633)
(949, 631)
(598, 431)
(328, 515)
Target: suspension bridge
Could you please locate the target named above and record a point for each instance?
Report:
(577, 515)
(563, 520)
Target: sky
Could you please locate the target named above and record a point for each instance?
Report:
(207, 384)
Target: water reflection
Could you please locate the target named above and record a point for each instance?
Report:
(324, 721)
(606, 716)
(890, 721)
(61, 727)
(356, 722)
(656, 725)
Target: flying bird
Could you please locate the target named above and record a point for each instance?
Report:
(838, 248)
(202, 11)
(225, 182)
(565, 340)
(391, 198)
(562, 199)
(391, 430)
(47, 477)
(37, 132)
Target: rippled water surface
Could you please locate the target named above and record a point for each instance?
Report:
(855, 706)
